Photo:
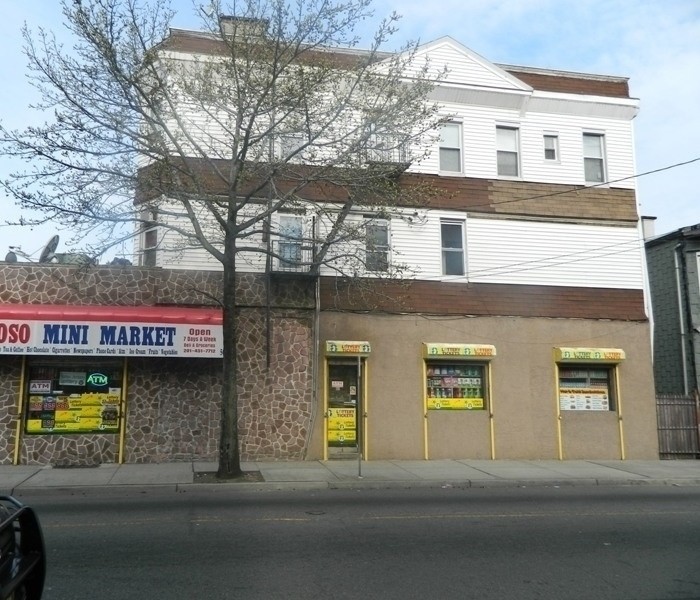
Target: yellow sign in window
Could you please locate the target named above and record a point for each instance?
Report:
(341, 419)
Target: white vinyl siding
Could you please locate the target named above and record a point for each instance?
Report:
(504, 251)
(541, 253)
(464, 66)
(568, 114)
(479, 146)
(525, 252)
(498, 251)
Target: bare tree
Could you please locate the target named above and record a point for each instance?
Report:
(212, 135)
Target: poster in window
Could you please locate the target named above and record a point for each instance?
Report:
(73, 400)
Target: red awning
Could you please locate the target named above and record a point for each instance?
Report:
(127, 314)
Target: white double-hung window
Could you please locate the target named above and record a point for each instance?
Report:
(377, 245)
(507, 155)
(452, 240)
(551, 147)
(451, 147)
(594, 157)
(149, 237)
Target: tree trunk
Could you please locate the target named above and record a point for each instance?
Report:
(229, 454)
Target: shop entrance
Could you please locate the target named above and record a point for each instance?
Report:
(345, 399)
(344, 407)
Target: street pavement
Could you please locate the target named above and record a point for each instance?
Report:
(350, 474)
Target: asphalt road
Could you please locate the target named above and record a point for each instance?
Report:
(635, 542)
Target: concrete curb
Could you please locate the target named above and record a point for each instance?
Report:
(360, 484)
(94, 490)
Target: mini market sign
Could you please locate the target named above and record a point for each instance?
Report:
(104, 331)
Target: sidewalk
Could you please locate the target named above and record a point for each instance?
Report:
(339, 474)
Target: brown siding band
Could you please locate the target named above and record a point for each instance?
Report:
(483, 299)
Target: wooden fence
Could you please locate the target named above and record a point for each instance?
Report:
(678, 425)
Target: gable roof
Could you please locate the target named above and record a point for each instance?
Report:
(466, 66)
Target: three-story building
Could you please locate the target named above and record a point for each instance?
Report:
(520, 330)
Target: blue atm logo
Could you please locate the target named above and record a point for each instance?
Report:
(97, 379)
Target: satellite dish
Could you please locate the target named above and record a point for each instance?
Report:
(49, 250)
(11, 257)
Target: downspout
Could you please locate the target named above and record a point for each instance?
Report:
(315, 350)
(648, 308)
(681, 318)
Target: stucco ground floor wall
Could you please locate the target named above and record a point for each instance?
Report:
(521, 419)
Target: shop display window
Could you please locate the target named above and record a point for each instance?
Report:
(587, 388)
(73, 398)
(455, 386)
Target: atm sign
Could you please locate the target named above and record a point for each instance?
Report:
(97, 379)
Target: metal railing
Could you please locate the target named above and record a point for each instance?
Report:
(385, 149)
(291, 256)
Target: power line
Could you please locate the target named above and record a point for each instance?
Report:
(588, 187)
(543, 263)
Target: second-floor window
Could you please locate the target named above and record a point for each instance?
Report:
(451, 147)
(149, 229)
(507, 151)
(452, 236)
(290, 234)
(377, 245)
(594, 157)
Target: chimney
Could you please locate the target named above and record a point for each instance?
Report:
(242, 27)
(648, 229)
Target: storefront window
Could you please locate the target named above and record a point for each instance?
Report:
(73, 398)
(586, 387)
(457, 376)
(455, 386)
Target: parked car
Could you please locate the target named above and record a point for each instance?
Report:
(22, 554)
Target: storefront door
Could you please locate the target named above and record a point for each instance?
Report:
(344, 407)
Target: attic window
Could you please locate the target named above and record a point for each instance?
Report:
(551, 146)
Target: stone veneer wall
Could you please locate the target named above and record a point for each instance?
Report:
(275, 404)
(69, 450)
(24, 283)
(173, 407)
(10, 373)
(173, 410)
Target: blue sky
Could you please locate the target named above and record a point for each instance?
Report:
(656, 44)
